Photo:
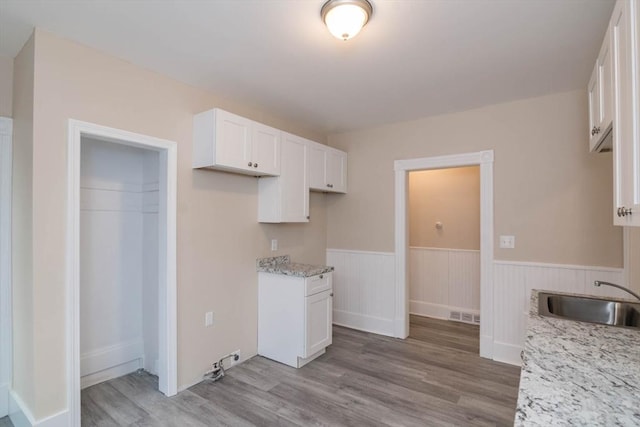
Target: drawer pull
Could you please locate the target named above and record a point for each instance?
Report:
(321, 276)
(331, 294)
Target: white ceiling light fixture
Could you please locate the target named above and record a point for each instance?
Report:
(345, 18)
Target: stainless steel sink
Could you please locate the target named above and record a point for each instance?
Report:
(588, 309)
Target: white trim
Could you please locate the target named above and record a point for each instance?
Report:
(485, 160)
(361, 322)
(355, 251)
(21, 416)
(428, 248)
(439, 311)
(507, 353)
(563, 266)
(6, 135)
(167, 250)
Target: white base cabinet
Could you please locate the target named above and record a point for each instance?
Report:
(294, 317)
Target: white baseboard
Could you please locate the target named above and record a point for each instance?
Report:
(438, 311)
(110, 373)
(365, 323)
(111, 362)
(4, 400)
(21, 416)
(507, 353)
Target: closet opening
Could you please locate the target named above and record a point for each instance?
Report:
(119, 260)
(444, 256)
(121, 287)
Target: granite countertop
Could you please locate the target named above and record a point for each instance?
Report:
(577, 373)
(283, 265)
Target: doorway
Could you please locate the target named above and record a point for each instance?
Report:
(121, 252)
(444, 254)
(483, 159)
(6, 134)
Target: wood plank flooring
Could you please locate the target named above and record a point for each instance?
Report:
(434, 378)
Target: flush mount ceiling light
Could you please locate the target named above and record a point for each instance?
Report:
(345, 18)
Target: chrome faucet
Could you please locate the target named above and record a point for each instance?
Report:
(597, 283)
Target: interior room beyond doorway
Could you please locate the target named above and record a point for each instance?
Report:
(444, 245)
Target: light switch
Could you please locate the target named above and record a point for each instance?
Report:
(507, 242)
(208, 318)
(274, 244)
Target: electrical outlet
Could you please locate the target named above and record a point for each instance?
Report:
(208, 318)
(507, 242)
(274, 244)
(235, 359)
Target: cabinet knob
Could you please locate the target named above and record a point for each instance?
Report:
(331, 294)
(593, 131)
(255, 165)
(308, 217)
(598, 130)
(251, 164)
(622, 211)
(330, 185)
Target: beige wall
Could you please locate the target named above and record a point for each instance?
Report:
(634, 258)
(22, 227)
(550, 193)
(6, 86)
(450, 196)
(219, 237)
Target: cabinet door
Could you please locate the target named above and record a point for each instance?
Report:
(605, 85)
(318, 321)
(265, 149)
(594, 107)
(626, 155)
(295, 187)
(316, 167)
(336, 171)
(233, 140)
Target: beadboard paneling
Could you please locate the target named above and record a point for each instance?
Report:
(364, 290)
(443, 280)
(512, 291)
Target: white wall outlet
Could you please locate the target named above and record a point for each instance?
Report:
(235, 358)
(507, 242)
(208, 318)
(274, 244)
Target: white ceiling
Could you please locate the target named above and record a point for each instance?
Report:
(415, 58)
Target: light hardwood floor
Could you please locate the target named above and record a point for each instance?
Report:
(434, 378)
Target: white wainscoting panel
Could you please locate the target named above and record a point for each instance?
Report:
(364, 290)
(364, 297)
(513, 284)
(443, 280)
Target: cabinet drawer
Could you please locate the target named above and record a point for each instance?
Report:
(319, 283)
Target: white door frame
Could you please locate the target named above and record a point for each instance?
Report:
(167, 328)
(6, 325)
(484, 159)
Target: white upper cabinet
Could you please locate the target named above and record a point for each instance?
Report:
(286, 198)
(600, 90)
(327, 169)
(626, 118)
(226, 141)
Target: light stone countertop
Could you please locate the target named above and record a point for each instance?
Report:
(283, 265)
(577, 373)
